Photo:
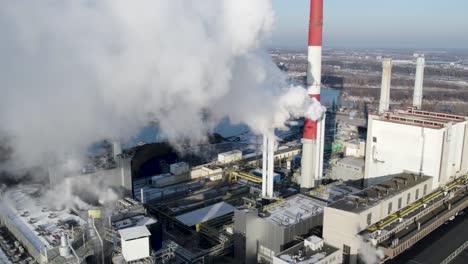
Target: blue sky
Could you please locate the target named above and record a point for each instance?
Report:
(376, 23)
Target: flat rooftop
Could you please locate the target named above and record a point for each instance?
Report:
(293, 210)
(421, 118)
(352, 161)
(206, 213)
(369, 197)
(38, 223)
(134, 233)
(138, 220)
(334, 191)
(304, 254)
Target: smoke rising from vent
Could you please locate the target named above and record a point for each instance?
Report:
(368, 253)
(76, 72)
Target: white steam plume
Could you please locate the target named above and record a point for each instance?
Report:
(75, 72)
(368, 253)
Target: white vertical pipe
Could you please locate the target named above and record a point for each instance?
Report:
(100, 240)
(271, 159)
(264, 165)
(418, 83)
(386, 82)
(322, 146)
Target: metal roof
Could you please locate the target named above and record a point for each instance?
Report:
(353, 161)
(294, 209)
(16, 202)
(303, 254)
(421, 118)
(373, 195)
(206, 214)
(134, 232)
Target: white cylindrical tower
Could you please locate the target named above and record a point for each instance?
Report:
(64, 249)
(264, 165)
(386, 82)
(418, 83)
(271, 165)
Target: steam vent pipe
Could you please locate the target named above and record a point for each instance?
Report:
(313, 133)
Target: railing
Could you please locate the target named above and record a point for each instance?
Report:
(457, 252)
(460, 183)
(419, 215)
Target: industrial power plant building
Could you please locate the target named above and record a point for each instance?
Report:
(346, 218)
(260, 235)
(433, 144)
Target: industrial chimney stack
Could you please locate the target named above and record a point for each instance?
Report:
(312, 149)
(268, 165)
(386, 81)
(418, 83)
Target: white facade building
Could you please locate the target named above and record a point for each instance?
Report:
(231, 156)
(312, 251)
(135, 243)
(179, 168)
(355, 148)
(433, 144)
(346, 218)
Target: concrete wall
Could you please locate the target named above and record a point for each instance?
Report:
(341, 227)
(333, 258)
(135, 249)
(393, 148)
(453, 152)
(465, 152)
(256, 238)
(347, 172)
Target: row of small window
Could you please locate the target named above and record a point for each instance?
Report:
(266, 252)
(408, 200)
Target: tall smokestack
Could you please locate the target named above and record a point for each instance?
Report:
(418, 83)
(264, 165)
(311, 164)
(271, 165)
(385, 89)
(268, 158)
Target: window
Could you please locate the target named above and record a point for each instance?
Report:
(399, 202)
(346, 249)
(417, 194)
(389, 208)
(425, 189)
(374, 139)
(369, 218)
(346, 254)
(408, 198)
(265, 251)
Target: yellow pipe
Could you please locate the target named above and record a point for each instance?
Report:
(412, 206)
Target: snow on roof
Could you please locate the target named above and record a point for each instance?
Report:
(139, 220)
(134, 233)
(30, 214)
(206, 214)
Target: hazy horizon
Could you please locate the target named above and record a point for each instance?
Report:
(397, 24)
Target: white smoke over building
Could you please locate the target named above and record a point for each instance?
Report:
(75, 72)
(368, 253)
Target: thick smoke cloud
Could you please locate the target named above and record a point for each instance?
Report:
(75, 72)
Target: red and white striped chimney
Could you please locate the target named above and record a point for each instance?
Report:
(312, 150)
